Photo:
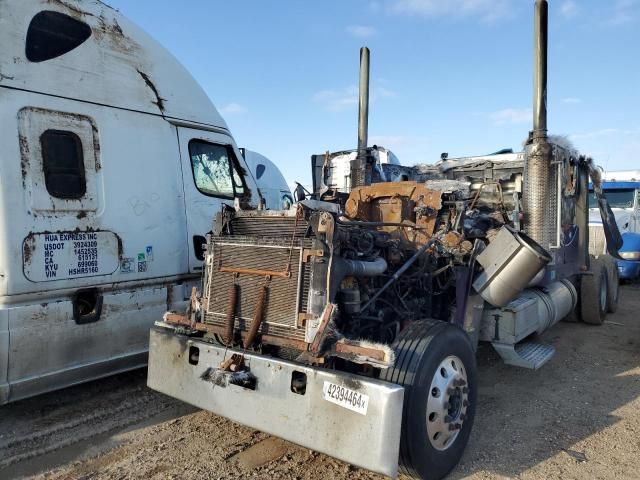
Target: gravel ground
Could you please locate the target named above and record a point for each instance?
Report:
(576, 418)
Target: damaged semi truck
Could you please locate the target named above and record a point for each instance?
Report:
(349, 323)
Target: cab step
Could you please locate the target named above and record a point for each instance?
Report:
(530, 355)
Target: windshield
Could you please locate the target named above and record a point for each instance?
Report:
(622, 198)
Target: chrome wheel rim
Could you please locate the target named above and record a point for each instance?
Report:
(447, 403)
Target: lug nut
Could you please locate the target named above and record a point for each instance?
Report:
(458, 426)
(451, 391)
(452, 427)
(448, 419)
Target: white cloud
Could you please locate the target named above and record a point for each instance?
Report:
(569, 8)
(340, 99)
(614, 148)
(336, 100)
(511, 116)
(603, 132)
(361, 31)
(382, 92)
(624, 11)
(571, 100)
(233, 109)
(487, 10)
(621, 134)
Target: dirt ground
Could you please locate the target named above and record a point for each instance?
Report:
(576, 418)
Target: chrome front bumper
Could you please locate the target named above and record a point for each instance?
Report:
(369, 441)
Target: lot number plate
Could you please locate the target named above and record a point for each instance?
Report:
(345, 397)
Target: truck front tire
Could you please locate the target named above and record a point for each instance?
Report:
(436, 364)
(594, 294)
(613, 282)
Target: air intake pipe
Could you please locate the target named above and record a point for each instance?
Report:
(539, 202)
(359, 268)
(343, 267)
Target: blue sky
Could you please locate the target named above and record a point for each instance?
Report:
(447, 75)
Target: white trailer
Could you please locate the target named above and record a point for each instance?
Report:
(113, 162)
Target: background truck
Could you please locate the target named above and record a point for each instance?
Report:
(271, 183)
(623, 194)
(348, 324)
(113, 161)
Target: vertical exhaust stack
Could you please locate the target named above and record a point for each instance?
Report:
(539, 198)
(359, 166)
(540, 45)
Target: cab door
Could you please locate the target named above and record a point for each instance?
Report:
(212, 176)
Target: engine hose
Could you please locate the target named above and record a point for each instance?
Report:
(361, 268)
(231, 314)
(360, 223)
(399, 273)
(257, 318)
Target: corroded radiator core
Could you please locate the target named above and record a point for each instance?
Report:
(287, 294)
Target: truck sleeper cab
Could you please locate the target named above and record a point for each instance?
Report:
(624, 199)
(270, 181)
(113, 161)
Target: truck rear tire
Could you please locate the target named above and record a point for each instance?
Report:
(613, 282)
(593, 294)
(436, 364)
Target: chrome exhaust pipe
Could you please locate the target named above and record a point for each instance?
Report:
(539, 196)
(540, 39)
(359, 165)
(363, 103)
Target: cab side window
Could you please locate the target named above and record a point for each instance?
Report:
(63, 164)
(52, 34)
(214, 171)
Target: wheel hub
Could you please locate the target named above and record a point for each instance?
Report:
(448, 403)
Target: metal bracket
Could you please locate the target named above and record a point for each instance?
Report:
(307, 253)
(302, 319)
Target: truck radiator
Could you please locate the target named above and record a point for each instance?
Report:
(597, 240)
(256, 247)
(272, 226)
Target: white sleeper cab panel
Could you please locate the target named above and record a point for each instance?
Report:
(101, 219)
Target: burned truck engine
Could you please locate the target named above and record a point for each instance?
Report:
(334, 283)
